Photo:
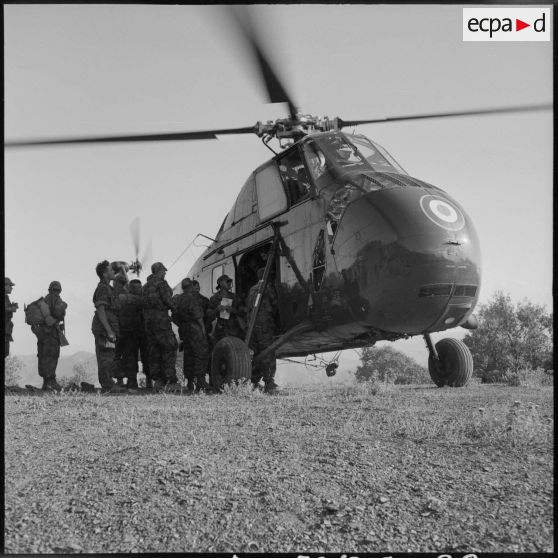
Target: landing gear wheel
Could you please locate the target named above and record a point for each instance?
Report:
(230, 362)
(455, 365)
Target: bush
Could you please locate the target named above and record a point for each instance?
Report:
(529, 378)
(510, 337)
(387, 364)
(82, 372)
(12, 371)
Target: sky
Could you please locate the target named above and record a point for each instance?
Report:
(78, 70)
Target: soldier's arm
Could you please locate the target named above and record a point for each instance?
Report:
(175, 318)
(101, 313)
(165, 292)
(197, 313)
(101, 301)
(213, 308)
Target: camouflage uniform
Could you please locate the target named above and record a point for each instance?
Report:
(204, 302)
(187, 316)
(119, 287)
(131, 333)
(224, 327)
(48, 337)
(262, 334)
(161, 341)
(107, 364)
(10, 309)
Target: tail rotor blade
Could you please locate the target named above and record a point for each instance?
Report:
(135, 230)
(147, 257)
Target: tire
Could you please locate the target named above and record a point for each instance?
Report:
(230, 362)
(455, 367)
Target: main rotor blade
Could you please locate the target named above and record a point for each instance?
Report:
(172, 136)
(275, 89)
(524, 108)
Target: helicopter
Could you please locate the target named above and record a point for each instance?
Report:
(360, 250)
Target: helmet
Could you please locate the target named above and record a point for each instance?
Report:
(55, 286)
(157, 266)
(224, 278)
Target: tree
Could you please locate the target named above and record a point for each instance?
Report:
(511, 337)
(82, 372)
(12, 371)
(388, 364)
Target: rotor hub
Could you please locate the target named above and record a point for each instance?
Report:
(295, 128)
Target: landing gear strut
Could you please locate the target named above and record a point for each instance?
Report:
(450, 362)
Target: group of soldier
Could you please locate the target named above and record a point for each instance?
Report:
(133, 322)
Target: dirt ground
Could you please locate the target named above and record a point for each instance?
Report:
(316, 469)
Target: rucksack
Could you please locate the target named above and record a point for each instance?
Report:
(35, 312)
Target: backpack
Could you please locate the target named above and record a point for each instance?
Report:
(35, 313)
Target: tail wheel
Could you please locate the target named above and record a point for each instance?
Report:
(455, 365)
(230, 362)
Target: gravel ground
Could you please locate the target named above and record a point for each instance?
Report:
(320, 469)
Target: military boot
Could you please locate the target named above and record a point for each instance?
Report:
(157, 386)
(201, 384)
(119, 381)
(132, 383)
(50, 384)
(270, 386)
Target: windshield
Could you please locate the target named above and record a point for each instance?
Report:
(376, 155)
(357, 152)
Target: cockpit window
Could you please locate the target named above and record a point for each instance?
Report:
(376, 155)
(357, 152)
(342, 153)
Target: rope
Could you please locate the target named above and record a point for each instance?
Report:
(183, 252)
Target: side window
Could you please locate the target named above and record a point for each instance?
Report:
(243, 207)
(294, 176)
(227, 223)
(271, 195)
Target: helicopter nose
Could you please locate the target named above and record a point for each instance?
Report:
(409, 260)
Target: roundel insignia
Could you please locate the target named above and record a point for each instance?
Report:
(442, 212)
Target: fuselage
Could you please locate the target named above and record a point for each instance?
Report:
(369, 252)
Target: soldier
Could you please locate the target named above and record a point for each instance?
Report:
(48, 336)
(131, 332)
(10, 308)
(224, 307)
(262, 334)
(161, 341)
(105, 328)
(203, 300)
(206, 322)
(120, 287)
(188, 316)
